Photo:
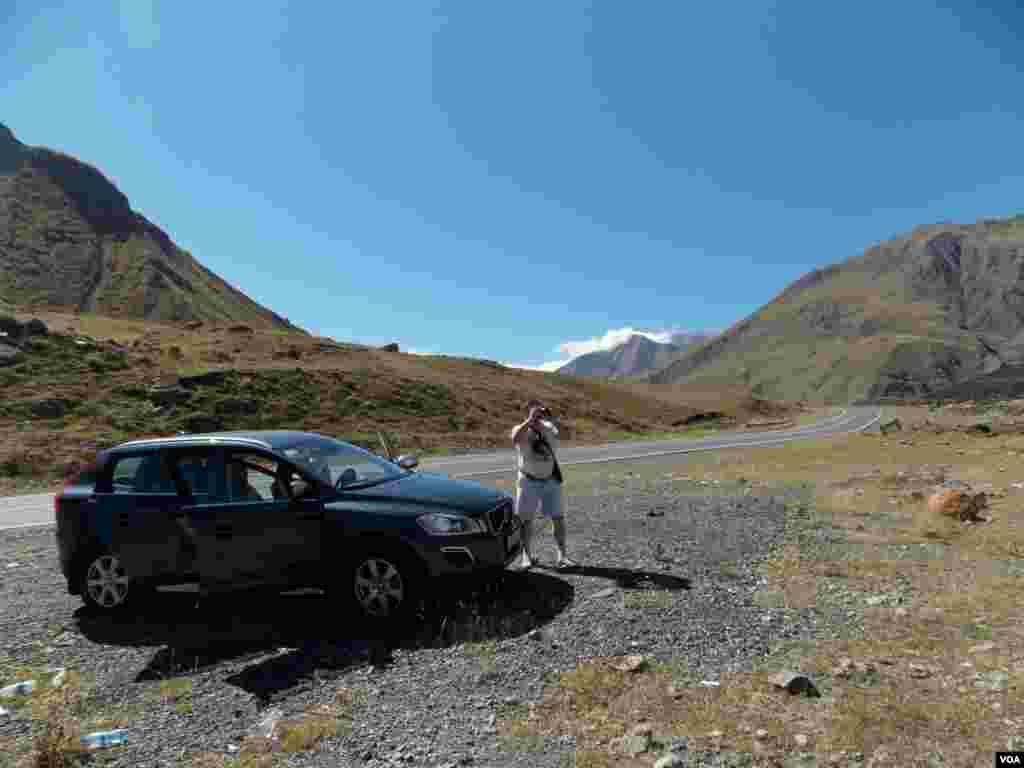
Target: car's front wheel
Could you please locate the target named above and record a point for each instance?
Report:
(383, 584)
(105, 583)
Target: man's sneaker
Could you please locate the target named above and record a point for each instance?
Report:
(525, 563)
(565, 563)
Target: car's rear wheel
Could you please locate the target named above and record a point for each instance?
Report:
(383, 584)
(105, 585)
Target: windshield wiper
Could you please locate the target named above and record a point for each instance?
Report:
(366, 484)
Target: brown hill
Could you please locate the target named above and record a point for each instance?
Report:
(69, 238)
(910, 317)
(93, 380)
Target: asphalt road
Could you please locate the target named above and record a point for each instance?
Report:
(37, 509)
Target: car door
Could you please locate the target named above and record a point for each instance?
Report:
(140, 504)
(246, 534)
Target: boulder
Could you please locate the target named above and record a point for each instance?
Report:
(9, 354)
(236, 405)
(36, 327)
(202, 423)
(958, 504)
(392, 347)
(11, 328)
(795, 683)
(208, 379)
(51, 408)
(174, 395)
(240, 328)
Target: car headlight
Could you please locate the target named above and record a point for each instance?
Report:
(437, 524)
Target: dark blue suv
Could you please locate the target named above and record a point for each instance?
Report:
(277, 509)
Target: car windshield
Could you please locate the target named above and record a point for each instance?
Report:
(340, 464)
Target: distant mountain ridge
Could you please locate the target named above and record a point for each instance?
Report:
(69, 238)
(911, 317)
(637, 357)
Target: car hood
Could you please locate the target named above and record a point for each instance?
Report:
(432, 490)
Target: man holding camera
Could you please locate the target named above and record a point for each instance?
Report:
(539, 479)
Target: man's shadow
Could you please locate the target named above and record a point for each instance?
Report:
(628, 578)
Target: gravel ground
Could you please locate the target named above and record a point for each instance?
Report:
(430, 706)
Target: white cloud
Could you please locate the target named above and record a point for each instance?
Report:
(139, 23)
(551, 366)
(619, 336)
(570, 350)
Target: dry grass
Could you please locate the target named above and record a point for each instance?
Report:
(940, 671)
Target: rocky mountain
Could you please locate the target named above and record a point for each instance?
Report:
(69, 238)
(638, 356)
(910, 317)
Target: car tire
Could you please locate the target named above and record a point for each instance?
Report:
(382, 584)
(104, 584)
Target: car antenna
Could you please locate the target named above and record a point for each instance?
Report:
(387, 446)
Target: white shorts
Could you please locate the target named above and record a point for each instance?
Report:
(531, 494)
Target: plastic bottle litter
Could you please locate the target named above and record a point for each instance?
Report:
(59, 676)
(23, 688)
(103, 739)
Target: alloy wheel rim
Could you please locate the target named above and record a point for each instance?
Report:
(106, 581)
(379, 587)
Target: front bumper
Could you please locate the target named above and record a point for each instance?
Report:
(454, 555)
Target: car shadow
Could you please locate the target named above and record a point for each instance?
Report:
(287, 641)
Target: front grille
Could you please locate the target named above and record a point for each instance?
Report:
(500, 517)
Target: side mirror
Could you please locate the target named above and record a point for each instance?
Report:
(407, 461)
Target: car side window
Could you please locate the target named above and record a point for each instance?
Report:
(146, 473)
(254, 476)
(197, 471)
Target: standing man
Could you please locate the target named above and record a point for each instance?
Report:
(539, 481)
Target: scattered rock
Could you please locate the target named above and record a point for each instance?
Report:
(795, 683)
(848, 668)
(240, 328)
(266, 727)
(675, 691)
(801, 740)
(632, 663)
(979, 429)
(958, 504)
(392, 347)
(981, 647)
(193, 325)
(761, 734)
(920, 671)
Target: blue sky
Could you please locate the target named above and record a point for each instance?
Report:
(522, 181)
